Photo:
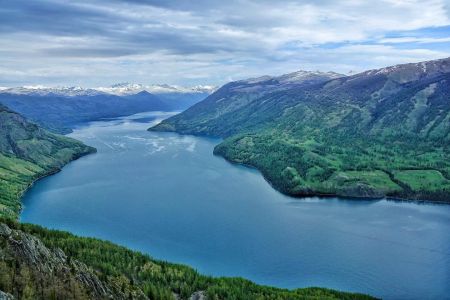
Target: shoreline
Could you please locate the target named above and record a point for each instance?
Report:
(326, 196)
(47, 174)
(162, 261)
(313, 194)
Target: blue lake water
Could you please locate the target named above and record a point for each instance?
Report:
(169, 196)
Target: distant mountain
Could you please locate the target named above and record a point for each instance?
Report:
(60, 109)
(62, 113)
(119, 89)
(130, 89)
(40, 90)
(379, 133)
(28, 152)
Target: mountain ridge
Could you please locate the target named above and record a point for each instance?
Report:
(62, 109)
(378, 133)
(119, 89)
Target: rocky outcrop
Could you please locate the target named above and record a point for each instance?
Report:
(27, 254)
(200, 295)
(6, 296)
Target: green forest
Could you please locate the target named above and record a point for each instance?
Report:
(133, 274)
(27, 153)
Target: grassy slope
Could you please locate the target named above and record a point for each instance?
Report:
(379, 133)
(28, 153)
(157, 279)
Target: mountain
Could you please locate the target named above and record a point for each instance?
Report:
(37, 263)
(62, 108)
(175, 97)
(133, 88)
(118, 89)
(40, 90)
(379, 133)
(27, 153)
(61, 114)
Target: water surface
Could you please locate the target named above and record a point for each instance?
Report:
(167, 195)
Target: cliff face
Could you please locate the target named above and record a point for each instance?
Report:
(30, 270)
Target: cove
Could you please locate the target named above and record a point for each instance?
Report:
(167, 195)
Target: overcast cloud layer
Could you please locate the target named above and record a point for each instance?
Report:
(101, 42)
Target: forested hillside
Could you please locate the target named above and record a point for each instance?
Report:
(28, 152)
(37, 263)
(379, 133)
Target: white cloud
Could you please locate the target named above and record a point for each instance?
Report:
(102, 42)
(420, 40)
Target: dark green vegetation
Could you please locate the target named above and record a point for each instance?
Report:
(27, 153)
(37, 263)
(61, 113)
(378, 133)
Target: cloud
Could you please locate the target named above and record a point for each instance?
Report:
(197, 42)
(420, 40)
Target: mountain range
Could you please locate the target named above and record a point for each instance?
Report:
(117, 89)
(61, 109)
(379, 133)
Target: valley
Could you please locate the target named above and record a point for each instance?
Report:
(225, 150)
(173, 196)
(41, 263)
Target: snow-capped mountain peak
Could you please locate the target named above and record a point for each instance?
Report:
(133, 88)
(41, 90)
(119, 89)
(294, 77)
(302, 75)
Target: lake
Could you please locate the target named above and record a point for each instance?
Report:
(167, 195)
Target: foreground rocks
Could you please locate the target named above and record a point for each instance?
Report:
(31, 270)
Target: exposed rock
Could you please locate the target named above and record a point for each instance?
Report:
(200, 295)
(6, 296)
(31, 253)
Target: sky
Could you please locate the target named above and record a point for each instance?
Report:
(211, 42)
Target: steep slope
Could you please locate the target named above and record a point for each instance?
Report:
(28, 152)
(379, 133)
(232, 108)
(36, 263)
